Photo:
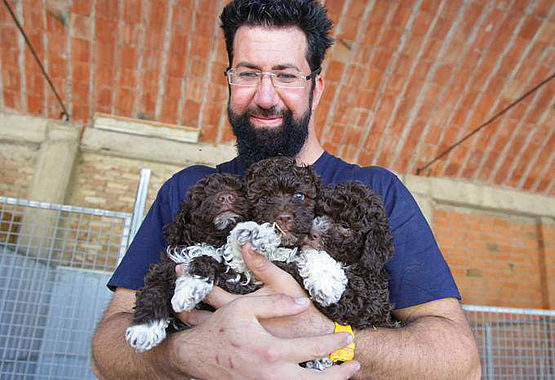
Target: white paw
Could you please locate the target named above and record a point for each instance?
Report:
(323, 277)
(319, 364)
(189, 291)
(145, 336)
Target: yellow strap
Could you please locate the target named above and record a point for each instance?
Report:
(348, 352)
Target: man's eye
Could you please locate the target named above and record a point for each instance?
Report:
(298, 196)
(286, 77)
(248, 74)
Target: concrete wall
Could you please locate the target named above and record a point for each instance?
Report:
(500, 243)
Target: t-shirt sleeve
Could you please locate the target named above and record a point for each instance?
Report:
(149, 241)
(418, 271)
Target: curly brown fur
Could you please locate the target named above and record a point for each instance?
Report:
(217, 196)
(357, 234)
(281, 192)
(213, 206)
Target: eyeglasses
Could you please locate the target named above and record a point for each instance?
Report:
(284, 79)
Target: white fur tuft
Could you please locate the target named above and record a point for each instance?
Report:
(184, 255)
(189, 291)
(263, 239)
(323, 277)
(319, 364)
(145, 336)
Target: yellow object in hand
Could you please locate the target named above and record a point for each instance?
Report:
(348, 352)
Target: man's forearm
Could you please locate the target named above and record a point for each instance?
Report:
(113, 358)
(428, 348)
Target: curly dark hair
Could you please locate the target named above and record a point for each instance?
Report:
(308, 15)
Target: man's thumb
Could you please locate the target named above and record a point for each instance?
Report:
(262, 268)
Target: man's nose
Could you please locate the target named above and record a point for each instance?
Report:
(266, 94)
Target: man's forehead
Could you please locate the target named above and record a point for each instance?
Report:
(249, 39)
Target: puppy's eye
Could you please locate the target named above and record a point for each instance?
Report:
(344, 228)
(298, 196)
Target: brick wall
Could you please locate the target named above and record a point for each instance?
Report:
(496, 259)
(17, 163)
(108, 182)
(405, 80)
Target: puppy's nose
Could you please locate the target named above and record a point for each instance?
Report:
(314, 235)
(284, 219)
(311, 241)
(226, 198)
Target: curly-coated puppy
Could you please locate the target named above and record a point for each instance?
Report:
(281, 192)
(352, 227)
(213, 206)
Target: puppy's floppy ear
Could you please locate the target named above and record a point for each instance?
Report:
(178, 232)
(378, 247)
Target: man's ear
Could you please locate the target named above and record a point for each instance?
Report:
(318, 91)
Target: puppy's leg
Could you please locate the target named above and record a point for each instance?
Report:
(195, 284)
(152, 308)
(323, 277)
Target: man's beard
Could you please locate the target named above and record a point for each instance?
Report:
(257, 143)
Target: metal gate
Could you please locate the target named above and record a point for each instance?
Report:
(54, 264)
(514, 343)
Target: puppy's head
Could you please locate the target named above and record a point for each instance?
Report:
(351, 226)
(214, 205)
(283, 193)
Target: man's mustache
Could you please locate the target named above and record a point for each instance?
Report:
(266, 112)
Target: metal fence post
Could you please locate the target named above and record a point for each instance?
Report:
(140, 203)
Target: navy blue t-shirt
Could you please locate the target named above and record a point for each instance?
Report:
(418, 272)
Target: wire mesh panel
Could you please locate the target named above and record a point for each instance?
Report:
(55, 262)
(514, 343)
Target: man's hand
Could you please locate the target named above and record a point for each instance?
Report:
(231, 344)
(276, 281)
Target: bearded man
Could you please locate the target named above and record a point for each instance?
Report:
(275, 50)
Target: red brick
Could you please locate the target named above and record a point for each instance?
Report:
(83, 7)
(80, 113)
(35, 105)
(124, 100)
(131, 12)
(81, 50)
(81, 72)
(11, 100)
(81, 26)
(128, 56)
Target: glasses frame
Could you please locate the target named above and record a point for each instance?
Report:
(272, 75)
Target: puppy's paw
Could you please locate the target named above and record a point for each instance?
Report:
(319, 364)
(323, 277)
(145, 336)
(189, 291)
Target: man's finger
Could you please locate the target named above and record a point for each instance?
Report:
(343, 371)
(263, 268)
(275, 305)
(219, 297)
(180, 269)
(194, 317)
(310, 348)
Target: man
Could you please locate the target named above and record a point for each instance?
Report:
(275, 50)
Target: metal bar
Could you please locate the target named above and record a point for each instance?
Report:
(509, 310)
(140, 202)
(54, 206)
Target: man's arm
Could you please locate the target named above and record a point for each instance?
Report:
(113, 358)
(228, 344)
(436, 343)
